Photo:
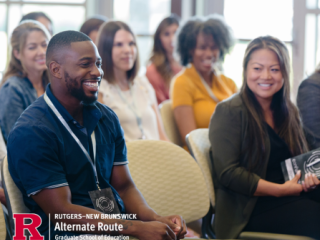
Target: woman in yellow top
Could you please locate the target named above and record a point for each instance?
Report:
(196, 90)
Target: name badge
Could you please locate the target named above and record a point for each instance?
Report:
(103, 201)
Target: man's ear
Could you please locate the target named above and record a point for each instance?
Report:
(55, 69)
(16, 54)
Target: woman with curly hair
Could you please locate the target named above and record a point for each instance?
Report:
(195, 92)
(163, 66)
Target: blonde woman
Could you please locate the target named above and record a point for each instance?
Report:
(26, 76)
(251, 134)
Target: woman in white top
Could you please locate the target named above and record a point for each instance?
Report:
(131, 97)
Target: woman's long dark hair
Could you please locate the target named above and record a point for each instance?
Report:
(158, 56)
(285, 114)
(105, 38)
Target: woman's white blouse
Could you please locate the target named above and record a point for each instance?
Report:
(145, 97)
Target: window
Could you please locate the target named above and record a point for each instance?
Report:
(312, 36)
(3, 38)
(143, 17)
(65, 15)
(250, 19)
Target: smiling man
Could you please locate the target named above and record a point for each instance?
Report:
(72, 158)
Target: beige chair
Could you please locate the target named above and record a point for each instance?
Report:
(3, 148)
(199, 147)
(14, 198)
(271, 236)
(169, 123)
(3, 229)
(168, 178)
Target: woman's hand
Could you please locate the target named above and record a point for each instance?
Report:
(310, 182)
(292, 187)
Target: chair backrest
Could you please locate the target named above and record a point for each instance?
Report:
(169, 123)
(3, 148)
(168, 178)
(13, 195)
(199, 147)
(3, 229)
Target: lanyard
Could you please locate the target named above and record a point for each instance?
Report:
(133, 107)
(209, 90)
(93, 139)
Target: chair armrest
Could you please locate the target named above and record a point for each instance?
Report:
(271, 236)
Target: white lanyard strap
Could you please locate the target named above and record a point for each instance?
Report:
(93, 139)
(209, 90)
(133, 107)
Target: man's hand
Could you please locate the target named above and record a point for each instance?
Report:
(176, 223)
(154, 230)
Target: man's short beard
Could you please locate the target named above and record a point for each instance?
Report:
(77, 91)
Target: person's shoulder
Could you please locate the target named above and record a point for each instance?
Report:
(183, 74)
(229, 110)
(153, 75)
(151, 69)
(104, 84)
(227, 80)
(183, 78)
(35, 112)
(106, 112)
(233, 104)
(141, 80)
(35, 117)
(142, 84)
(105, 87)
(14, 82)
(109, 119)
(312, 80)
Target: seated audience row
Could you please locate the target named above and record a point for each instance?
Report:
(251, 132)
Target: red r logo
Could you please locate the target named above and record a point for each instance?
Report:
(32, 227)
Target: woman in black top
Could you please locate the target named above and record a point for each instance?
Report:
(251, 134)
